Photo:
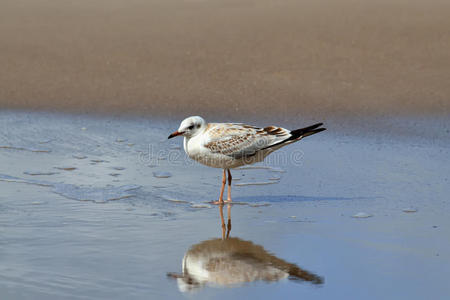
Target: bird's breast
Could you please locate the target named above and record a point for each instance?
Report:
(192, 147)
(195, 150)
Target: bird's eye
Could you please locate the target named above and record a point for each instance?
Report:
(191, 127)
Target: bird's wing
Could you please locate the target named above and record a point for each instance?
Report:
(240, 140)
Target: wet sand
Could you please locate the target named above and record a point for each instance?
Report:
(105, 207)
(227, 58)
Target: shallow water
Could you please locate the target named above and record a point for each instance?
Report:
(83, 234)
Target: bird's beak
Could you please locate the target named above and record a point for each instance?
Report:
(176, 133)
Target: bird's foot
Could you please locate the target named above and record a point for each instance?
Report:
(228, 201)
(220, 202)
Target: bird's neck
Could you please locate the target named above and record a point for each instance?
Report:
(185, 144)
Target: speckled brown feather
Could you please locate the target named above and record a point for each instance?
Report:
(240, 140)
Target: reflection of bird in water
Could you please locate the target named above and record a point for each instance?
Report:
(231, 145)
(232, 261)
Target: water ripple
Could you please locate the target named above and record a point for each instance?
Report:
(80, 193)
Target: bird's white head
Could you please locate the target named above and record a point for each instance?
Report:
(189, 127)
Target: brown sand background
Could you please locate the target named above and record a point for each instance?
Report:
(347, 57)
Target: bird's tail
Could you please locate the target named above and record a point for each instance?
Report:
(307, 131)
(295, 273)
(298, 134)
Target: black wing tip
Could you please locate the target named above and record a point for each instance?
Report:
(319, 129)
(311, 132)
(307, 131)
(298, 134)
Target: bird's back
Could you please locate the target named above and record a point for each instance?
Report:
(230, 145)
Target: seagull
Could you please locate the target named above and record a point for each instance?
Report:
(229, 262)
(231, 145)
(232, 262)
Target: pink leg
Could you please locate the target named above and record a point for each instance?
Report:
(229, 186)
(224, 180)
(222, 220)
(229, 221)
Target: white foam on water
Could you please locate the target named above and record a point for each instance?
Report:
(200, 205)
(362, 215)
(38, 173)
(161, 174)
(66, 168)
(99, 161)
(256, 183)
(94, 194)
(25, 149)
(259, 204)
(278, 170)
(80, 193)
(253, 168)
(170, 199)
(409, 210)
